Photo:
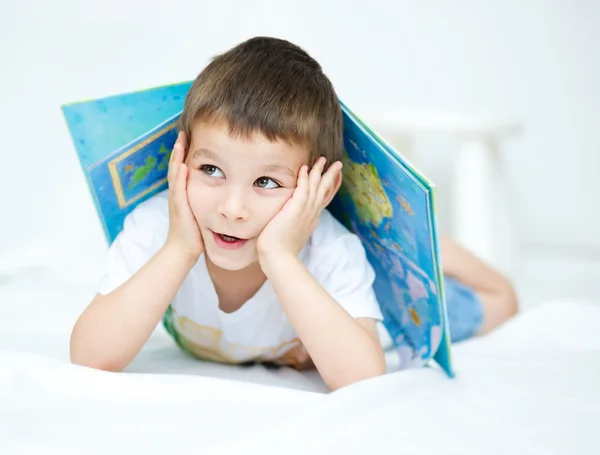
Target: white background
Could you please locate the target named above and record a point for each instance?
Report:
(536, 62)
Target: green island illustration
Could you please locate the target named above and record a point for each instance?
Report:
(139, 173)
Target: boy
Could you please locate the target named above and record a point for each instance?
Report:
(239, 255)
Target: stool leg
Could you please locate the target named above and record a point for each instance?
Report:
(481, 219)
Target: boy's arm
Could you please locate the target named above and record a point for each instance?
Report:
(114, 327)
(344, 349)
(495, 291)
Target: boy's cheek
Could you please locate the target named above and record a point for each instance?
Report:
(198, 199)
(275, 209)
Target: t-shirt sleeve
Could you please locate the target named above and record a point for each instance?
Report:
(143, 234)
(346, 273)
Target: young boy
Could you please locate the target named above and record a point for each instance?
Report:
(239, 255)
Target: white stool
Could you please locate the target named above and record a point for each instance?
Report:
(481, 212)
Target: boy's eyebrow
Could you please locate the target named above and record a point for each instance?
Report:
(205, 153)
(279, 168)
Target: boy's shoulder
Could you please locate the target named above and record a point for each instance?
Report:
(154, 205)
(328, 228)
(338, 259)
(144, 232)
(331, 238)
(149, 218)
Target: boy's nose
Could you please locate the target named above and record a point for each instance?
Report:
(233, 206)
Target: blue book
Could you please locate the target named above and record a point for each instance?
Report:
(124, 142)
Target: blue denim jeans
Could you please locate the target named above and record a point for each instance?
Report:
(465, 310)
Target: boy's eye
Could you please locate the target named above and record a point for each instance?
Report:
(265, 182)
(212, 171)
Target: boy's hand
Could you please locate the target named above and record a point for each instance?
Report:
(184, 233)
(290, 229)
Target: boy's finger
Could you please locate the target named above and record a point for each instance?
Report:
(316, 172)
(328, 181)
(314, 178)
(301, 192)
(183, 142)
(175, 146)
(173, 168)
(182, 176)
(303, 178)
(176, 157)
(180, 185)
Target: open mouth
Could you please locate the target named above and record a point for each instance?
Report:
(228, 242)
(229, 238)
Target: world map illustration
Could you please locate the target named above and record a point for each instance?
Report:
(389, 214)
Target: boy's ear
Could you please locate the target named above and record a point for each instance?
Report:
(333, 189)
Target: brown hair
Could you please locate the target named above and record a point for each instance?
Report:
(273, 87)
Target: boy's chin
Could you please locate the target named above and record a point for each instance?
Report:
(229, 263)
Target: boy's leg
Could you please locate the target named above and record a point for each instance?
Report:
(479, 298)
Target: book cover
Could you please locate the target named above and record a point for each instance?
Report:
(390, 205)
(123, 143)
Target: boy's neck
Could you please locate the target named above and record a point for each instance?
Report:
(235, 287)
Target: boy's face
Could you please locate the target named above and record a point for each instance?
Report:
(235, 187)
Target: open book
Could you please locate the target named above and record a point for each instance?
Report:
(124, 143)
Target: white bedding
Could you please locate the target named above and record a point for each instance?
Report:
(531, 387)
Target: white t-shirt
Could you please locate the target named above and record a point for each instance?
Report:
(259, 330)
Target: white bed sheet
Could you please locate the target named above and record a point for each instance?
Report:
(531, 387)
